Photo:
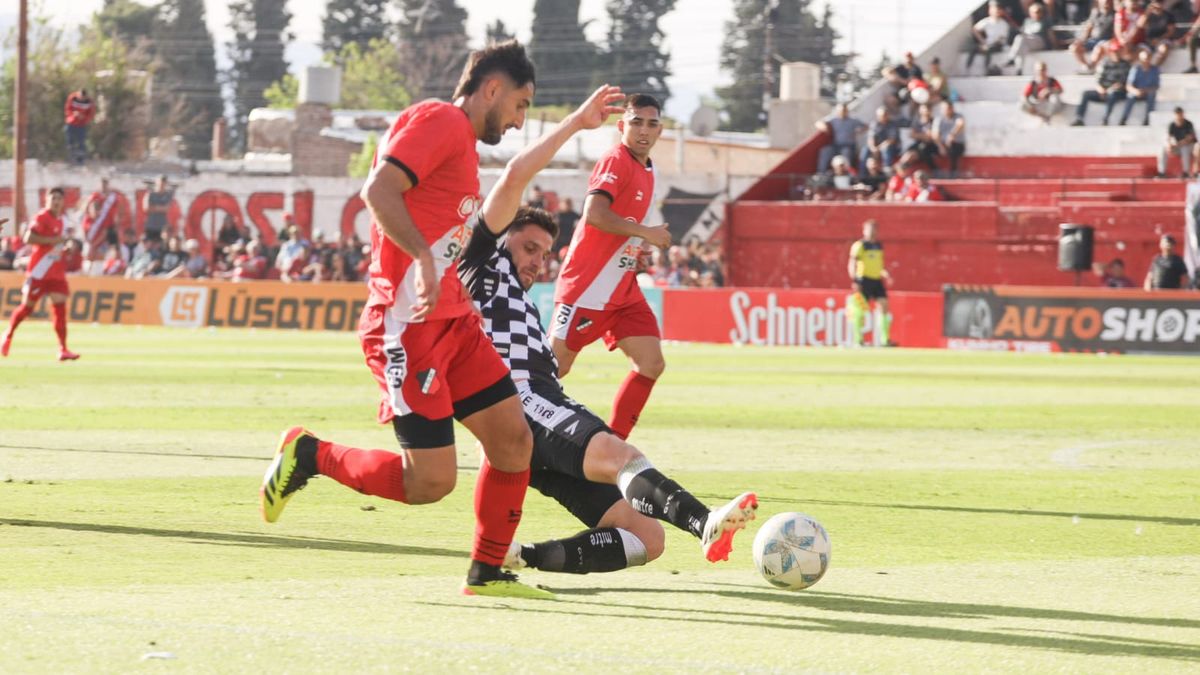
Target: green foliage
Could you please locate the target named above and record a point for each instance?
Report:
(566, 61)
(360, 164)
(187, 92)
(371, 79)
(114, 77)
(283, 93)
(357, 22)
(127, 20)
(797, 35)
(432, 38)
(256, 53)
(634, 56)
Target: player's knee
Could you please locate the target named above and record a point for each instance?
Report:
(512, 449)
(651, 366)
(655, 541)
(429, 489)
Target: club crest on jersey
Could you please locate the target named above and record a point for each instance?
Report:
(428, 381)
(583, 325)
(468, 206)
(608, 177)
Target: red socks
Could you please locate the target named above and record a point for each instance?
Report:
(18, 316)
(60, 324)
(499, 496)
(373, 472)
(631, 398)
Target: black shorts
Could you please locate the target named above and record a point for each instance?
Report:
(562, 429)
(872, 289)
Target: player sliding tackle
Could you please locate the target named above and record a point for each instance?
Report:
(577, 459)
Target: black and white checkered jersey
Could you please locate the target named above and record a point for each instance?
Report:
(510, 317)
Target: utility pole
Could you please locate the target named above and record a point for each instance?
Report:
(769, 58)
(20, 115)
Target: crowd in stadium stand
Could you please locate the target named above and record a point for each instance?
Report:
(1123, 44)
(237, 255)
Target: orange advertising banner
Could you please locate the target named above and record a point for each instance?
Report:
(192, 303)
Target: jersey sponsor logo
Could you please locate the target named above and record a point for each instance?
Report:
(607, 177)
(397, 366)
(572, 428)
(457, 243)
(184, 306)
(428, 381)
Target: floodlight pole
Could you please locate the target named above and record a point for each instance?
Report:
(20, 114)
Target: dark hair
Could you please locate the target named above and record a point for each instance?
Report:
(530, 215)
(58, 191)
(506, 57)
(635, 101)
(1117, 261)
(1178, 110)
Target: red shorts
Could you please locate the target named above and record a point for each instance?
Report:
(40, 287)
(580, 327)
(428, 368)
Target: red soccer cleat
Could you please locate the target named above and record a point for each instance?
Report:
(67, 355)
(722, 524)
(6, 345)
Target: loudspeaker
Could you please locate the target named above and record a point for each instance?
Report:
(1075, 244)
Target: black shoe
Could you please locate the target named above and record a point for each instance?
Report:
(1191, 71)
(1077, 123)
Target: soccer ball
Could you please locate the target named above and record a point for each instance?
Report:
(791, 551)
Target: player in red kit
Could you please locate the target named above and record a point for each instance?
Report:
(47, 275)
(421, 335)
(597, 293)
(100, 224)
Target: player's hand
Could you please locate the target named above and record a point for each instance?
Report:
(599, 106)
(658, 236)
(427, 285)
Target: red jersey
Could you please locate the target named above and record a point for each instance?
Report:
(434, 143)
(1122, 24)
(46, 263)
(78, 110)
(599, 270)
(106, 215)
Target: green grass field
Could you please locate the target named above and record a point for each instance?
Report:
(989, 513)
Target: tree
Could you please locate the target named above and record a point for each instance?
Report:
(256, 54)
(498, 32)
(187, 94)
(353, 22)
(114, 77)
(796, 35)
(371, 80)
(565, 60)
(433, 46)
(126, 20)
(634, 57)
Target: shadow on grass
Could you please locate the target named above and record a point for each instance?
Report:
(241, 538)
(1078, 643)
(1165, 520)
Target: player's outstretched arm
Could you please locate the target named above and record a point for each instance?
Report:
(505, 198)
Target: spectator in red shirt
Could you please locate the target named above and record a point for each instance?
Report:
(1043, 95)
(921, 190)
(252, 264)
(78, 113)
(114, 266)
(898, 186)
(1129, 27)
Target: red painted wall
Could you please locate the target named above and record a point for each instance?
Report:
(806, 245)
